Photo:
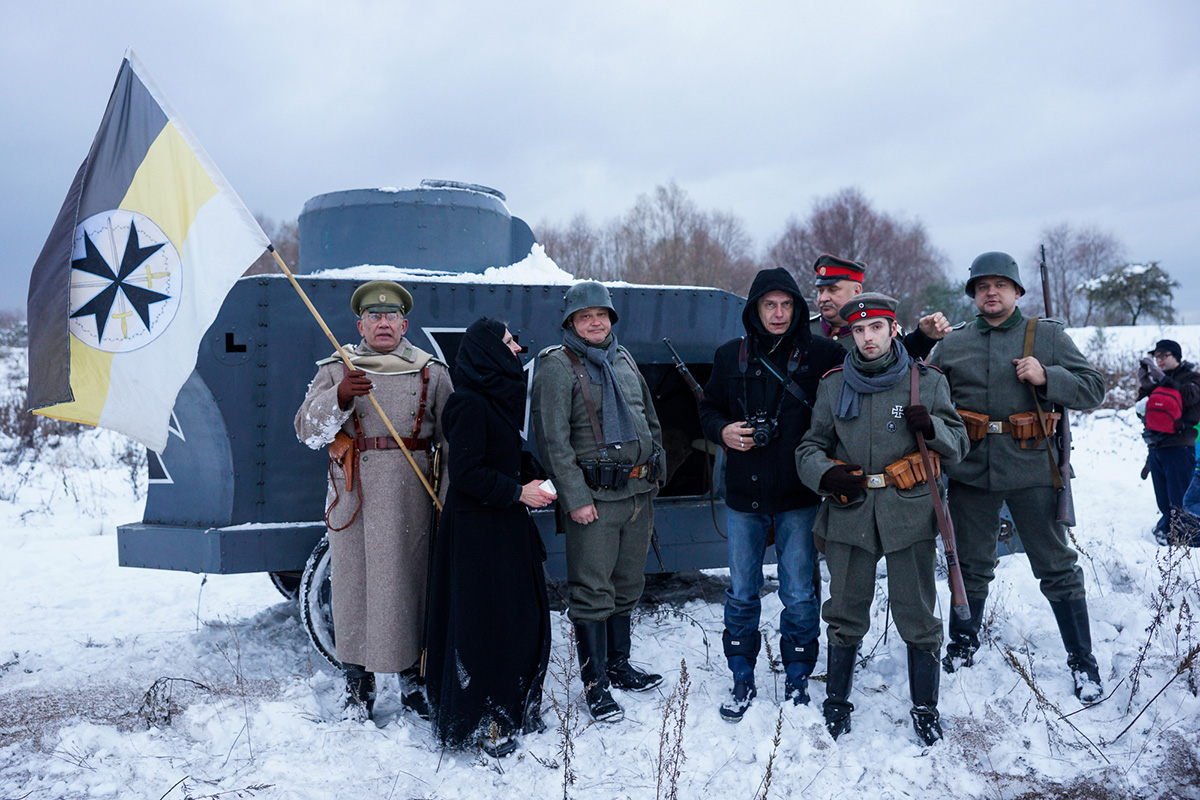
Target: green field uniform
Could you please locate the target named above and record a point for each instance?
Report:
(977, 360)
(606, 559)
(897, 524)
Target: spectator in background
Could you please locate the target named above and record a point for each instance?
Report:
(1171, 387)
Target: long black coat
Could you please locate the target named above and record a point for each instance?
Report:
(488, 632)
(763, 480)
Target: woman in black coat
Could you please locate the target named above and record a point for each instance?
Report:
(488, 631)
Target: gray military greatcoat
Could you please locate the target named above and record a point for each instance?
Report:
(379, 559)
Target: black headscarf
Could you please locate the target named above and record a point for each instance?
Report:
(485, 365)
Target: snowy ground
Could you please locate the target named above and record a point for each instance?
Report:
(248, 709)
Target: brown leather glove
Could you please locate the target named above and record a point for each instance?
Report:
(838, 480)
(919, 421)
(355, 383)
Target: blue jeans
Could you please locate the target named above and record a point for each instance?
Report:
(1171, 471)
(795, 555)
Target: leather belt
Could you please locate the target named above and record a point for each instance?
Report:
(882, 480)
(388, 443)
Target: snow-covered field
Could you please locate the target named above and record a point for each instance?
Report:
(137, 683)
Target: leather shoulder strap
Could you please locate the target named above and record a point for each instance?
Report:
(585, 389)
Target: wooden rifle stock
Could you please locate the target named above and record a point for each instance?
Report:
(1065, 510)
(958, 590)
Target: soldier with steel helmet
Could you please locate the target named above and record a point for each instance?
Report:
(378, 512)
(1006, 371)
(600, 440)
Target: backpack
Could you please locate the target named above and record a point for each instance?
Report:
(1164, 408)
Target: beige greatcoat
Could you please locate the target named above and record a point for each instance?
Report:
(379, 560)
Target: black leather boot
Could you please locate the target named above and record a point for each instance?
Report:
(964, 636)
(1076, 631)
(591, 639)
(621, 673)
(412, 692)
(360, 693)
(839, 678)
(924, 679)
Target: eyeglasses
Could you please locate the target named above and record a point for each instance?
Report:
(379, 316)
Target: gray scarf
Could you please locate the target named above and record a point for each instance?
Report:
(617, 426)
(868, 377)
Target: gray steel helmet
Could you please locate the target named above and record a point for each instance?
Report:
(588, 294)
(994, 263)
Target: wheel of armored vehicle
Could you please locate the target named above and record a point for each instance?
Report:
(316, 609)
(288, 583)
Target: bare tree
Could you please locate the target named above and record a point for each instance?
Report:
(1074, 256)
(285, 235)
(664, 238)
(900, 259)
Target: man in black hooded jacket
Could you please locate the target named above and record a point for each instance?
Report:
(757, 405)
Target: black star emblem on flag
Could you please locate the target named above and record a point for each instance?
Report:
(140, 298)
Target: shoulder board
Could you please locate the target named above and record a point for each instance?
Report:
(1052, 320)
(959, 326)
(827, 374)
(547, 351)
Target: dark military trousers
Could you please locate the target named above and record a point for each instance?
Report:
(606, 559)
(912, 593)
(976, 516)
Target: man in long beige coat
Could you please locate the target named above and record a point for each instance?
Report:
(378, 521)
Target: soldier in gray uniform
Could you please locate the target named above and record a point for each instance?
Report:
(839, 280)
(599, 437)
(998, 378)
(865, 420)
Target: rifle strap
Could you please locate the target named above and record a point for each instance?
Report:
(585, 390)
(1030, 331)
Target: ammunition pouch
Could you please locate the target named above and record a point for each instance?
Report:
(608, 474)
(976, 424)
(1027, 428)
(907, 472)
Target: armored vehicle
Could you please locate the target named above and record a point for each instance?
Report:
(235, 492)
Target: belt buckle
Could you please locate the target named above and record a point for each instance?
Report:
(994, 426)
(876, 481)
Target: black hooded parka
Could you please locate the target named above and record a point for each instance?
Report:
(763, 480)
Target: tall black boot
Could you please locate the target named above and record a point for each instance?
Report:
(838, 680)
(1076, 631)
(924, 678)
(964, 636)
(591, 639)
(621, 673)
(360, 693)
(412, 692)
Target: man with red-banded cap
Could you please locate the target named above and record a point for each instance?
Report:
(840, 280)
(859, 453)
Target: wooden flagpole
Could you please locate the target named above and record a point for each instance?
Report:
(346, 360)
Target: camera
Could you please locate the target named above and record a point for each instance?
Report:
(764, 430)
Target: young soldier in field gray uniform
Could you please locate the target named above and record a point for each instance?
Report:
(599, 437)
(865, 418)
(993, 381)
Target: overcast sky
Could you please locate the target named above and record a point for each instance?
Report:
(985, 121)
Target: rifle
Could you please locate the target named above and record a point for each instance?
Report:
(1065, 511)
(685, 373)
(698, 393)
(958, 590)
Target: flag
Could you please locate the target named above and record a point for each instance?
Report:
(147, 244)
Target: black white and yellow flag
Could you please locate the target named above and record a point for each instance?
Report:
(147, 244)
